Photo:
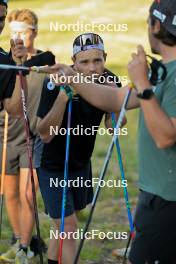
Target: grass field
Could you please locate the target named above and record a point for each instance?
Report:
(110, 213)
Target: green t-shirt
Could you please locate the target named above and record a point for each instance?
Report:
(157, 167)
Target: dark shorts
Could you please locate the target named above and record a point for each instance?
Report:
(155, 223)
(17, 158)
(77, 198)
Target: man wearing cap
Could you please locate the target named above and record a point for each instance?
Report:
(10, 96)
(88, 60)
(156, 211)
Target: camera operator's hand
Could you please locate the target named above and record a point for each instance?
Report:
(138, 70)
(19, 52)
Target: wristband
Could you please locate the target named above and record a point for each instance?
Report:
(147, 94)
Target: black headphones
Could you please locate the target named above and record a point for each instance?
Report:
(158, 71)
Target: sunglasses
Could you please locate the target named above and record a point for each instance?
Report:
(87, 39)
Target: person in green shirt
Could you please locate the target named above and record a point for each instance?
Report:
(156, 210)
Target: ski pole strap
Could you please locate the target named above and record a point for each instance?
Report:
(67, 90)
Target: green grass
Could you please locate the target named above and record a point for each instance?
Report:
(110, 213)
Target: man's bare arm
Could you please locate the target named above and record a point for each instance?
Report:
(105, 97)
(13, 105)
(101, 96)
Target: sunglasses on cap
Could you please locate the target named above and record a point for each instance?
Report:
(87, 41)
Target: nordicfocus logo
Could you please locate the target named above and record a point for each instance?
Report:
(80, 182)
(93, 234)
(80, 130)
(81, 26)
(79, 78)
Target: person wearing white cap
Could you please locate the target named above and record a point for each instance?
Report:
(10, 96)
(17, 185)
(52, 112)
